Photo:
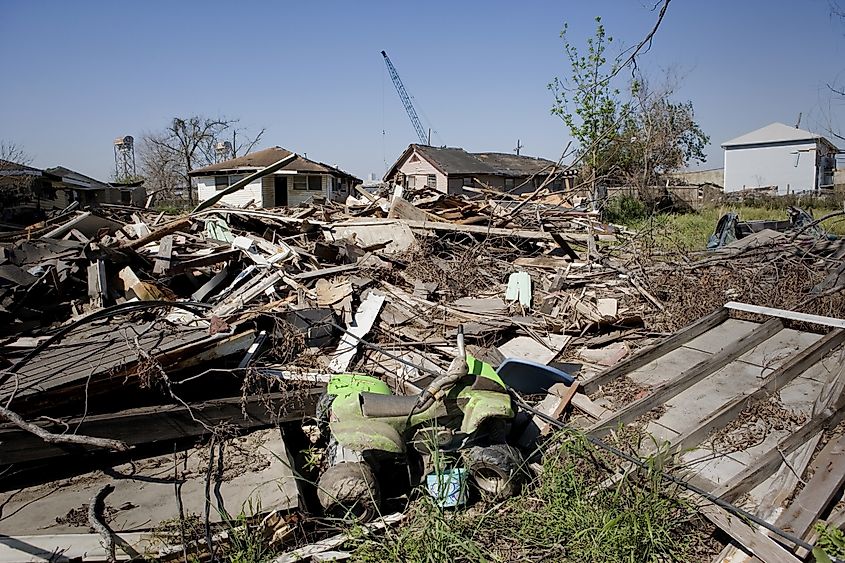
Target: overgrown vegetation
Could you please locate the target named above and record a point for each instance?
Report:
(831, 543)
(567, 514)
(687, 232)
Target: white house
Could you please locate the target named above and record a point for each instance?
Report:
(788, 158)
(295, 183)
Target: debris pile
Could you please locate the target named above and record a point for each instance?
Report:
(123, 330)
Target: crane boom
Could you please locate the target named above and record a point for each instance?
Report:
(406, 100)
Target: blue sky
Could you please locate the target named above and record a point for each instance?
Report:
(85, 72)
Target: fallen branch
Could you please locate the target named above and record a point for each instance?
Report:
(51, 438)
(95, 520)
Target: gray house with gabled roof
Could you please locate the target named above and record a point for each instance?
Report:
(451, 169)
(780, 157)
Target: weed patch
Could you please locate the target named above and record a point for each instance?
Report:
(568, 514)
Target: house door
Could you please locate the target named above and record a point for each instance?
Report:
(280, 192)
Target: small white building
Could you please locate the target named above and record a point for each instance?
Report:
(297, 182)
(781, 157)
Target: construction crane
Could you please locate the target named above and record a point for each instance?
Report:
(406, 99)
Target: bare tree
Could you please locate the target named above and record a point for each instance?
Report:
(16, 182)
(188, 143)
(168, 156)
(160, 167)
(659, 136)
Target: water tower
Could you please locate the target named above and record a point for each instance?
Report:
(223, 151)
(124, 158)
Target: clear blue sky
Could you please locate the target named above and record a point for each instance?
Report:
(78, 74)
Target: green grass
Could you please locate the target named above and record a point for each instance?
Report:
(690, 231)
(566, 515)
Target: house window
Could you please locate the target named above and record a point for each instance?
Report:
(508, 183)
(467, 181)
(412, 181)
(431, 181)
(308, 183)
(221, 182)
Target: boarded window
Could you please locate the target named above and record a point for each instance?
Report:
(412, 181)
(431, 181)
(300, 182)
(221, 182)
(508, 183)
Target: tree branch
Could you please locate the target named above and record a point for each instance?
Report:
(51, 438)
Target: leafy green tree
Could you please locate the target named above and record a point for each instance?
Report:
(630, 140)
(589, 104)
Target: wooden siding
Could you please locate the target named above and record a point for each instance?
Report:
(420, 170)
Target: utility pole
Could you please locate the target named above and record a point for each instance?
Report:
(518, 146)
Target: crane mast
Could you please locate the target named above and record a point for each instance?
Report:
(406, 100)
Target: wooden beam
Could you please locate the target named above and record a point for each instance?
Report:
(792, 368)
(552, 405)
(158, 234)
(403, 209)
(757, 543)
(325, 272)
(688, 378)
(817, 494)
(498, 232)
(202, 261)
(648, 355)
(785, 314)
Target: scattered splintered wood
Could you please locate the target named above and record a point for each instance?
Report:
(817, 494)
(51, 438)
(338, 540)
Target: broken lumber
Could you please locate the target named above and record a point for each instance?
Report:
(158, 234)
(365, 317)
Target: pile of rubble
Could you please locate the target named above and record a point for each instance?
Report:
(124, 330)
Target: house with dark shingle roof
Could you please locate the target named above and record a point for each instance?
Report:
(451, 169)
(74, 186)
(295, 183)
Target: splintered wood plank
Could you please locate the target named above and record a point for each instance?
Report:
(365, 317)
(648, 355)
(817, 494)
(165, 254)
(792, 368)
(757, 543)
(553, 405)
(785, 314)
(690, 377)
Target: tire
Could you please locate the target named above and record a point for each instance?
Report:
(349, 491)
(496, 471)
